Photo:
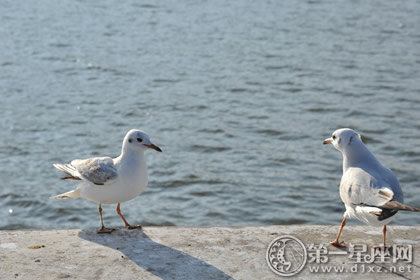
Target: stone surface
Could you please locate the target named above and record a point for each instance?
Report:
(195, 253)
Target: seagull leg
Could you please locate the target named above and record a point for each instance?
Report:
(103, 229)
(384, 232)
(127, 225)
(336, 243)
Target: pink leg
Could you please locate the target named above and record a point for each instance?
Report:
(127, 225)
(103, 229)
(336, 243)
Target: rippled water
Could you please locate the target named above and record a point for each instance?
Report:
(239, 95)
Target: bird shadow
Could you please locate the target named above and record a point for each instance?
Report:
(160, 260)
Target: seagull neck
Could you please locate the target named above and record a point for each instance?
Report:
(131, 157)
(356, 155)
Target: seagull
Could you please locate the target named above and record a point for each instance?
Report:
(107, 180)
(369, 190)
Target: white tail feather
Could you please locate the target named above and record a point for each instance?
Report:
(70, 194)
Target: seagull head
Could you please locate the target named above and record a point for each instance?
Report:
(344, 139)
(139, 141)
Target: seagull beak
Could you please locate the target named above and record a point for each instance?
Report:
(328, 141)
(154, 147)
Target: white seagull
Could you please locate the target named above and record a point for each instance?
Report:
(369, 190)
(107, 180)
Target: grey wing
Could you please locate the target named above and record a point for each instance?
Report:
(99, 171)
(358, 187)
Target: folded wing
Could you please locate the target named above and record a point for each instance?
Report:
(358, 187)
(99, 171)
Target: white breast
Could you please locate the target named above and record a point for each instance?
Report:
(131, 181)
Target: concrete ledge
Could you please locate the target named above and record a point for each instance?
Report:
(186, 252)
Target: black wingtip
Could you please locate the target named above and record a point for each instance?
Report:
(395, 205)
(70, 178)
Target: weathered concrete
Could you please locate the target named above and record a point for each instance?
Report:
(185, 252)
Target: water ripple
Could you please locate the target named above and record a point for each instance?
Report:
(240, 109)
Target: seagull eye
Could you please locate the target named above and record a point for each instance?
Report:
(334, 137)
(139, 140)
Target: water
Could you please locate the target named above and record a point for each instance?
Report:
(239, 95)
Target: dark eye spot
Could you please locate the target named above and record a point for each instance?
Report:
(334, 137)
(129, 140)
(139, 140)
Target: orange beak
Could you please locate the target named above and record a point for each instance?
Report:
(153, 147)
(328, 141)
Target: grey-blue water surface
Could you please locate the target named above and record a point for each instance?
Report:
(238, 94)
